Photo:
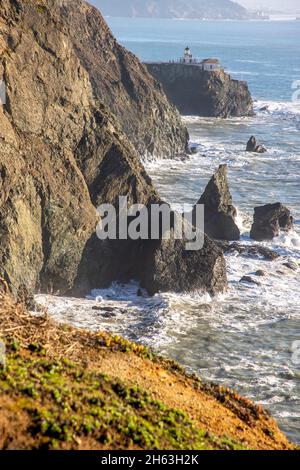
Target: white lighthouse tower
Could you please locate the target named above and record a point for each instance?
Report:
(188, 56)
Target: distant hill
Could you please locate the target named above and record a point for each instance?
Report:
(208, 9)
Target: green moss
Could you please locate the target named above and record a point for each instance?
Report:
(121, 344)
(66, 403)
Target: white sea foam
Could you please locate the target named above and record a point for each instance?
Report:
(279, 108)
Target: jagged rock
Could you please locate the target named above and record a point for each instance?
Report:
(256, 251)
(201, 93)
(260, 273)
(194, 150)
(269, 220)
(254, 147)
(220, 214)
(169, 267)
(250, 280)
(291, 265)
(62, 152)
(160, 265)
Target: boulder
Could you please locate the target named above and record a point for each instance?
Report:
(250, 280)
(254, 147)
(220, 214)
(255, 251)
(291, 265)
(260, 273)
(269, 220)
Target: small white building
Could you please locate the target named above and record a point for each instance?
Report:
(211, 65)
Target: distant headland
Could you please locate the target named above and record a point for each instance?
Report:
(196, 9)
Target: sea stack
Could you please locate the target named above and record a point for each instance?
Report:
(219, 212)
(254, 147)
(269, 220)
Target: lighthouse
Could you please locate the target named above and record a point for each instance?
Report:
(188, 56)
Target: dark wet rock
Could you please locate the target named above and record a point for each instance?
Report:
(250, 280)
(255, 251)
(254, 147)
(220, 214)
(291, 265)
(108, 314)
(139, 293)
(105, 309)
(223, 244)
(260, 273)
(168, 266)
(269, 220)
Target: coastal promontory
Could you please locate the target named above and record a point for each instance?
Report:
(203, 88)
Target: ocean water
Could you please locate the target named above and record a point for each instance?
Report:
(245, 338)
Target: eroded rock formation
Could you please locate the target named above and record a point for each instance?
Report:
(219, 212)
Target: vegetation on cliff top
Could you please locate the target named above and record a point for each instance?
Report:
(63, 388)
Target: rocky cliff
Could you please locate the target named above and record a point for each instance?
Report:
(121, 82)
(51, 114)
(203, 93)
(62, 152)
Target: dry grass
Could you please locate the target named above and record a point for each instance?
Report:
(217, 411)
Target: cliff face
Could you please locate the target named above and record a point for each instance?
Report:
(54, 136)
(61, 154)
(120, 81)
(202, 93)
